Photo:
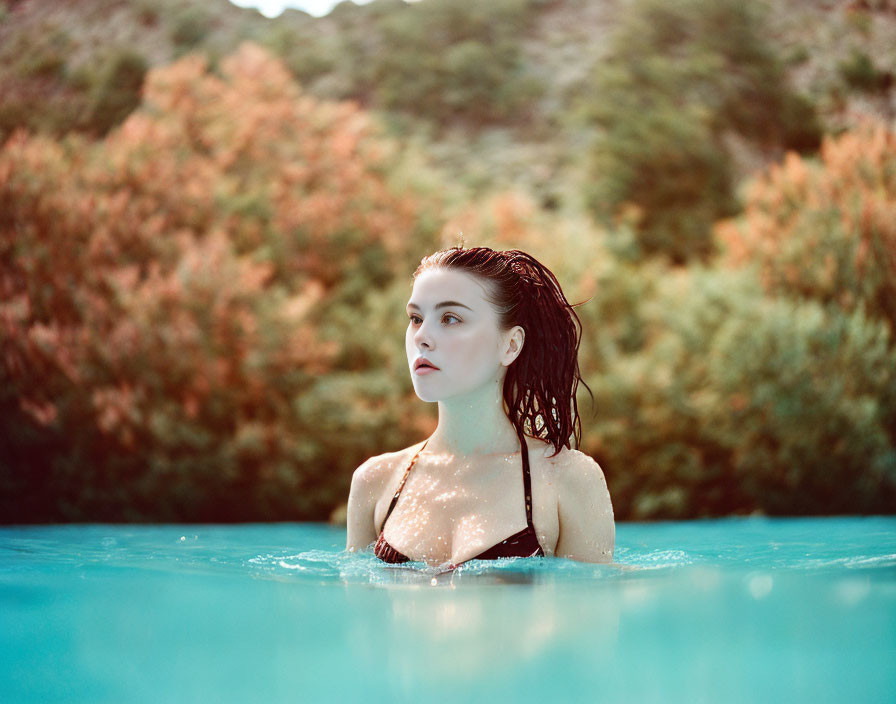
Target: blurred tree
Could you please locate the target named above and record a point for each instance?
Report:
(678, 78)
(825, 229)
(182, 304)
(803, 396)
(116, 90)
(35, 83)
(859, 72)
(190, 26)
(741, 403)
(450, 60)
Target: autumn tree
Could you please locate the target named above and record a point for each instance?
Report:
(825, 229)
(183, 303)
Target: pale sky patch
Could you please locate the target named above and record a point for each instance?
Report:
(272, 8)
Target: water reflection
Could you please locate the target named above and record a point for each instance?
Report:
(708, 615)
(477, 622)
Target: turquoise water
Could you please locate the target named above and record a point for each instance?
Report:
(739, 610)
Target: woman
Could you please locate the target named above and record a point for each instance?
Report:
(493, 340)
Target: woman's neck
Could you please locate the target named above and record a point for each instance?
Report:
(474, 424)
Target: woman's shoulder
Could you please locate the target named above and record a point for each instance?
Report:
(580, 479)
(569, 465)
(377, 469)
(584, 507)
(565, 457)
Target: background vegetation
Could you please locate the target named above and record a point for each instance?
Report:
(208, 221)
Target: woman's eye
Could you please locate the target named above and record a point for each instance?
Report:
(449, 319)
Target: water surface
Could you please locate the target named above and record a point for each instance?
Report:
(739, 610)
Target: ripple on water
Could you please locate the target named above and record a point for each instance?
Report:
(346, 567)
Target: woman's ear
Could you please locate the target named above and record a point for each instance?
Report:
(513, 344)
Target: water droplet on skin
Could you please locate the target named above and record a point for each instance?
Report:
(434, 581)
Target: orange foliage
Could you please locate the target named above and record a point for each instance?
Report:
(826, 230)
(172, 272)
(504, 220)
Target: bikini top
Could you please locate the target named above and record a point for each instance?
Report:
(522, 544)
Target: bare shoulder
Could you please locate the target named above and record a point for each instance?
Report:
(378, 469)
(369, 481)
(575, 467)
(571, 466)
(587, 529)
(373, 470)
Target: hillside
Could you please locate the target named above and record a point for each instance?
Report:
(69, 66)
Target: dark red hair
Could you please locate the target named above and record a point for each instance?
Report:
(540, 386)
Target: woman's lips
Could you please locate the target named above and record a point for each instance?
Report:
(423, 366)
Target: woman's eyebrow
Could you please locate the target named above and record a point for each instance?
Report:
(443, 304)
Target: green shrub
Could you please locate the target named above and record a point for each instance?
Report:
(801, 399)
(677, 79)
(742, 403)
(37, 87)
(38, 53)
(116, 92)
(307, 54)
(189, 28)
(797, 55)
(859, 72)
(660, 165)
(453, 59)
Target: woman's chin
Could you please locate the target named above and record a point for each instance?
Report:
(426, 396)
(425, 393)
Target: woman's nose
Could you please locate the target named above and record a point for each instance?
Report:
(422, 338)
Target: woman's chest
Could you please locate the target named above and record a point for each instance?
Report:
(448, 516)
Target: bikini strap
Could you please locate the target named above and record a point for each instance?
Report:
(401, 486)
(527, 480)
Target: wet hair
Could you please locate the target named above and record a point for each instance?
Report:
(541, 383)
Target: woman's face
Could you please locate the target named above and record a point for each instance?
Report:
(454, 328)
